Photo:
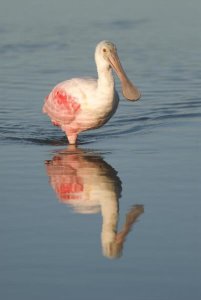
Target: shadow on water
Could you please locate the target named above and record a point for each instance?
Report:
(84, 181)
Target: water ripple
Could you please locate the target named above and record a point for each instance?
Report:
(30, 47)
(38, 130)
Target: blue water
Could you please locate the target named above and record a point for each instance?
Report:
(142, 169)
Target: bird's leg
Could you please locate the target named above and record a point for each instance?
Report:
(71, 136)
(72, 139)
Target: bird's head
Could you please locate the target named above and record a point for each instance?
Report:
(106, 57)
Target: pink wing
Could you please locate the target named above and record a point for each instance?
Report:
(61, 107)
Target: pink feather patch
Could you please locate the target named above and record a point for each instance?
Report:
(65, 100)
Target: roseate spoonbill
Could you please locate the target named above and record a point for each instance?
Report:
(81, 104)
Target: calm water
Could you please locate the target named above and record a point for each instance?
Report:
(119, 216)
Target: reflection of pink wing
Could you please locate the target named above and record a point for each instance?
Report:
(65, 181)
(61, 107)
(68, 190)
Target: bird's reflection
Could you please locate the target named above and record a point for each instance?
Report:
(85, 181)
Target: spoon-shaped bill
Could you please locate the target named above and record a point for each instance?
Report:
(129, 91)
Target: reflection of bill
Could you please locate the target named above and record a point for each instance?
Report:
(86, 182)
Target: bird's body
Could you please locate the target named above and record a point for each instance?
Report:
(77, 105)
(80, 104)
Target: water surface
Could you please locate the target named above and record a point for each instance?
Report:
(118, 216)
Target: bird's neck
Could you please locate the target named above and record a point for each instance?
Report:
(105, 79)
